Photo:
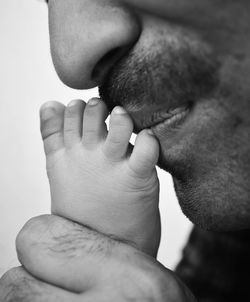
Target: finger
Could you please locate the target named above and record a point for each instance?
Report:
(63, 253)
(19, 286)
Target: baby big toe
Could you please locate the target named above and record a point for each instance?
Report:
(120, 131)
(51, 124)
(145, 153)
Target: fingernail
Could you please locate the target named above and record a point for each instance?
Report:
(119, 110)
(93, 102)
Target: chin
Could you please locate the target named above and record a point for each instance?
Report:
(214, 205)
(209, 160)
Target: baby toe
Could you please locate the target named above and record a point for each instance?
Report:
(94, 127)
(120, 131)
(145, 153)
(51, 125)
(73, 123)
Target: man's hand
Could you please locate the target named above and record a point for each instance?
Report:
(63, 261)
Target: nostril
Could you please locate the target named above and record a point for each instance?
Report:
(106, 63)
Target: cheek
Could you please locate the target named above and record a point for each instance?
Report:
(212, 169)
(217, 205)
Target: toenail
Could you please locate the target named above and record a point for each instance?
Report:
(119, 110)
(93, 102)
(73, 103)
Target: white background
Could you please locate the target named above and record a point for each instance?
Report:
(27, 79)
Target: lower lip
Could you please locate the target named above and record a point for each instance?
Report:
(172, 123)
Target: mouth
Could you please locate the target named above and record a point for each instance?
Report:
(158, 119)
(174, 121)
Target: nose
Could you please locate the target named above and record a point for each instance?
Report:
(88, 37)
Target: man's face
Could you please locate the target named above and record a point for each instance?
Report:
(181, 67)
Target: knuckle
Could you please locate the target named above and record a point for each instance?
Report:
(30, 236)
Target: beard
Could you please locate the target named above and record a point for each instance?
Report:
(165, 72)
(168, 72)
(206, 157)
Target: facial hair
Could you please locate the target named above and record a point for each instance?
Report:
(169, 72)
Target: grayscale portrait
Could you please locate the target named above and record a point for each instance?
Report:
(125, 150)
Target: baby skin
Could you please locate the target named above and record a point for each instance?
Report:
(96, 177)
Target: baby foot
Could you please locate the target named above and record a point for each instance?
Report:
(96, 177)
